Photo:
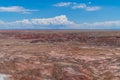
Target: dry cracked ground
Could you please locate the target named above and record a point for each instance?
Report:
(60, 55)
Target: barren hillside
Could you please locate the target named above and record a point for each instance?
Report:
(60, 55)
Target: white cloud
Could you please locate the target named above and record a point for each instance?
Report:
(80, 6)
(75, 5)
(85, 7)
(63, 4)
(105, 23)
(99, 25)
(17, 9)
(93, 8)
(40, 22)
(58, 22)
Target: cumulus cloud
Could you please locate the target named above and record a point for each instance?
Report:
(75, 5)
(58, 22)
(17, 9)
(61, 20)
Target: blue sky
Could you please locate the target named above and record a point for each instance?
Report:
(59, 14)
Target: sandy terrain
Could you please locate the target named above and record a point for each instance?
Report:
(60, 55)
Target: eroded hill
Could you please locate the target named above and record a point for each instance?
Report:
(60, 55)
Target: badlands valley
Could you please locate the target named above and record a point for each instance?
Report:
(59, 55)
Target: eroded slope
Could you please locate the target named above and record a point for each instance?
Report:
(24, 59)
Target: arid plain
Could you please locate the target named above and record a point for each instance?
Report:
(59, 55)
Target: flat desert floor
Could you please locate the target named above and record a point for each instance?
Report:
(59, 55)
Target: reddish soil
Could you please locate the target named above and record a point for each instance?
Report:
(60, 55)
